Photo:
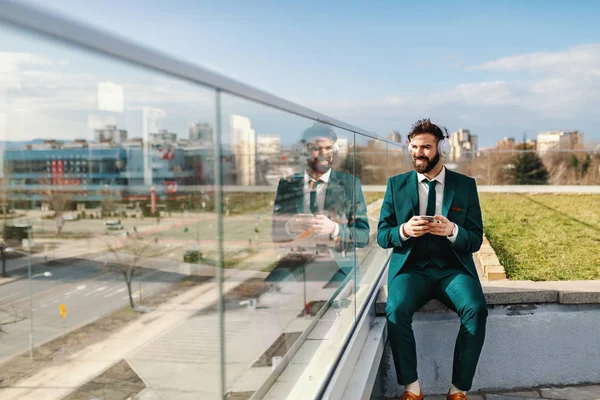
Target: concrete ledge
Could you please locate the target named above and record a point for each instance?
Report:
(496, 295)
(487, 263)
(526, 346)
(538, 333)
(507, 292)
(365, 373)
(568, 297)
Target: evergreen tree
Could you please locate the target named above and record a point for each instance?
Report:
(585, 165)
(529, 169)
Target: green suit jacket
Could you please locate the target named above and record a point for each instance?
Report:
(460, 204)
(344, 204)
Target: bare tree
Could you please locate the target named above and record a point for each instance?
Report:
(491, 168)
(574, 168)
(128, 256)
(108, 202)
(59, 200)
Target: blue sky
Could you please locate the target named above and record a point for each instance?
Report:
(498, 69)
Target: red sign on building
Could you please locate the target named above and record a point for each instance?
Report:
(171, 186)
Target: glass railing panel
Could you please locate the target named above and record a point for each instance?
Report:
(370, 166)
(284, 238)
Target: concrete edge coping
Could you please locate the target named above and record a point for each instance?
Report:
(508, 292)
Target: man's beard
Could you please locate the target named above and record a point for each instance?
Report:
(314, 164)
(423, 169)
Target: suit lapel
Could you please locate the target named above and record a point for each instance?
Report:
(449, 186)
(413, 191)
(297, 192)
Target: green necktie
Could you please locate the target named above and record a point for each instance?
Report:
(314, 204)
(431, 199)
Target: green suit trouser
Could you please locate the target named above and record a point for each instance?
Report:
(459, 291)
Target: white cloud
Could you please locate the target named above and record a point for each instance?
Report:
(529, 92)
(11, 64)
(578, 59)
(42, 97)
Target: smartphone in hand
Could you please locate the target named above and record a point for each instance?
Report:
(429, 218)
(300, 223)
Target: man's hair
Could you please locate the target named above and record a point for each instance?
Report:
(425, 126)
(319, 130)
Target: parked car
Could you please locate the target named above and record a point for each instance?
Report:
(113, 224)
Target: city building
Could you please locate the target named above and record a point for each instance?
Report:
(84, 169)
(162, 138)
(76, 144)
(202, 132)
(268, 147)
(164, 142)
(110, 134)
(505, 144)
(47, 144)
(395, 136)
(244, 149)
(464, 145)
(559, 140)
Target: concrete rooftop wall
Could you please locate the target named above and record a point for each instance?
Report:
(526, 346)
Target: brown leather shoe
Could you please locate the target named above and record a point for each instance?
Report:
(457, 396)
(411, 396)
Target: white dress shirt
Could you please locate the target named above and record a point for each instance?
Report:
(423, 188)
(321, 190)
(321, 193)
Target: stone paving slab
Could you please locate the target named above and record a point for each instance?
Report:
(591, 392)
(530, 394)
(572, 393)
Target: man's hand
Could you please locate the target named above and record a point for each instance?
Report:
(416, 227)
(442, 227)
(323, 225)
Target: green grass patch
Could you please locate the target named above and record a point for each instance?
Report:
(544, 237)
(371, 197)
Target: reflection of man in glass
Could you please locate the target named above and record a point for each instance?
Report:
(321, 206)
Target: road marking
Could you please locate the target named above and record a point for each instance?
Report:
(115, 292)
(91, 292)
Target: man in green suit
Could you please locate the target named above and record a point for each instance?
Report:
(432, 257)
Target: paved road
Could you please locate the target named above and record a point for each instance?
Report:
(87, 291)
